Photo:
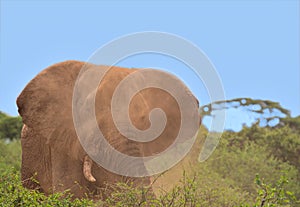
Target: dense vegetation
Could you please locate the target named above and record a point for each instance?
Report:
(10, 127)
(257, 166)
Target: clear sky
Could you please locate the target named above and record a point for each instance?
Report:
(254, 45)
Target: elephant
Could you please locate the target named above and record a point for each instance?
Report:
(51, 150)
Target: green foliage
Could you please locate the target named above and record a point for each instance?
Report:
(125, 195)
(197, 190)
(238, 159)
(194, 191)
(10, 155)
(12, 193)
(283, 143)
(264, 110)
(10, 127)
(293, 123)
(274, 195)
(267, 155)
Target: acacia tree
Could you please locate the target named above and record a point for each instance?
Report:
(264, 110)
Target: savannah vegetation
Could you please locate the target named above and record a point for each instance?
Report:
(256, 166)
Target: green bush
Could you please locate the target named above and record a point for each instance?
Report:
(10, 155)
(12, 193)
(10, 127)
(276, 194)
(238, 166)
(225, 179)
(194, 191)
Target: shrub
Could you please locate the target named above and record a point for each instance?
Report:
(10, 127)
(12, 193)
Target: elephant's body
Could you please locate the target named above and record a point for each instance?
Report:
(51, 151)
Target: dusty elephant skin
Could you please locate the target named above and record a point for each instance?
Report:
(51, 151)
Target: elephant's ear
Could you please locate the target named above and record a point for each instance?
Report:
(46, 101)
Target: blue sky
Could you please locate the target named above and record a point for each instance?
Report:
(254, 45)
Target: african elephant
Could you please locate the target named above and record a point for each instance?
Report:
(51, 150)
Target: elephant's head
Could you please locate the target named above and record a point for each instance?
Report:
(60, 142)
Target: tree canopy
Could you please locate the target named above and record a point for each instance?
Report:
(10, 127)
